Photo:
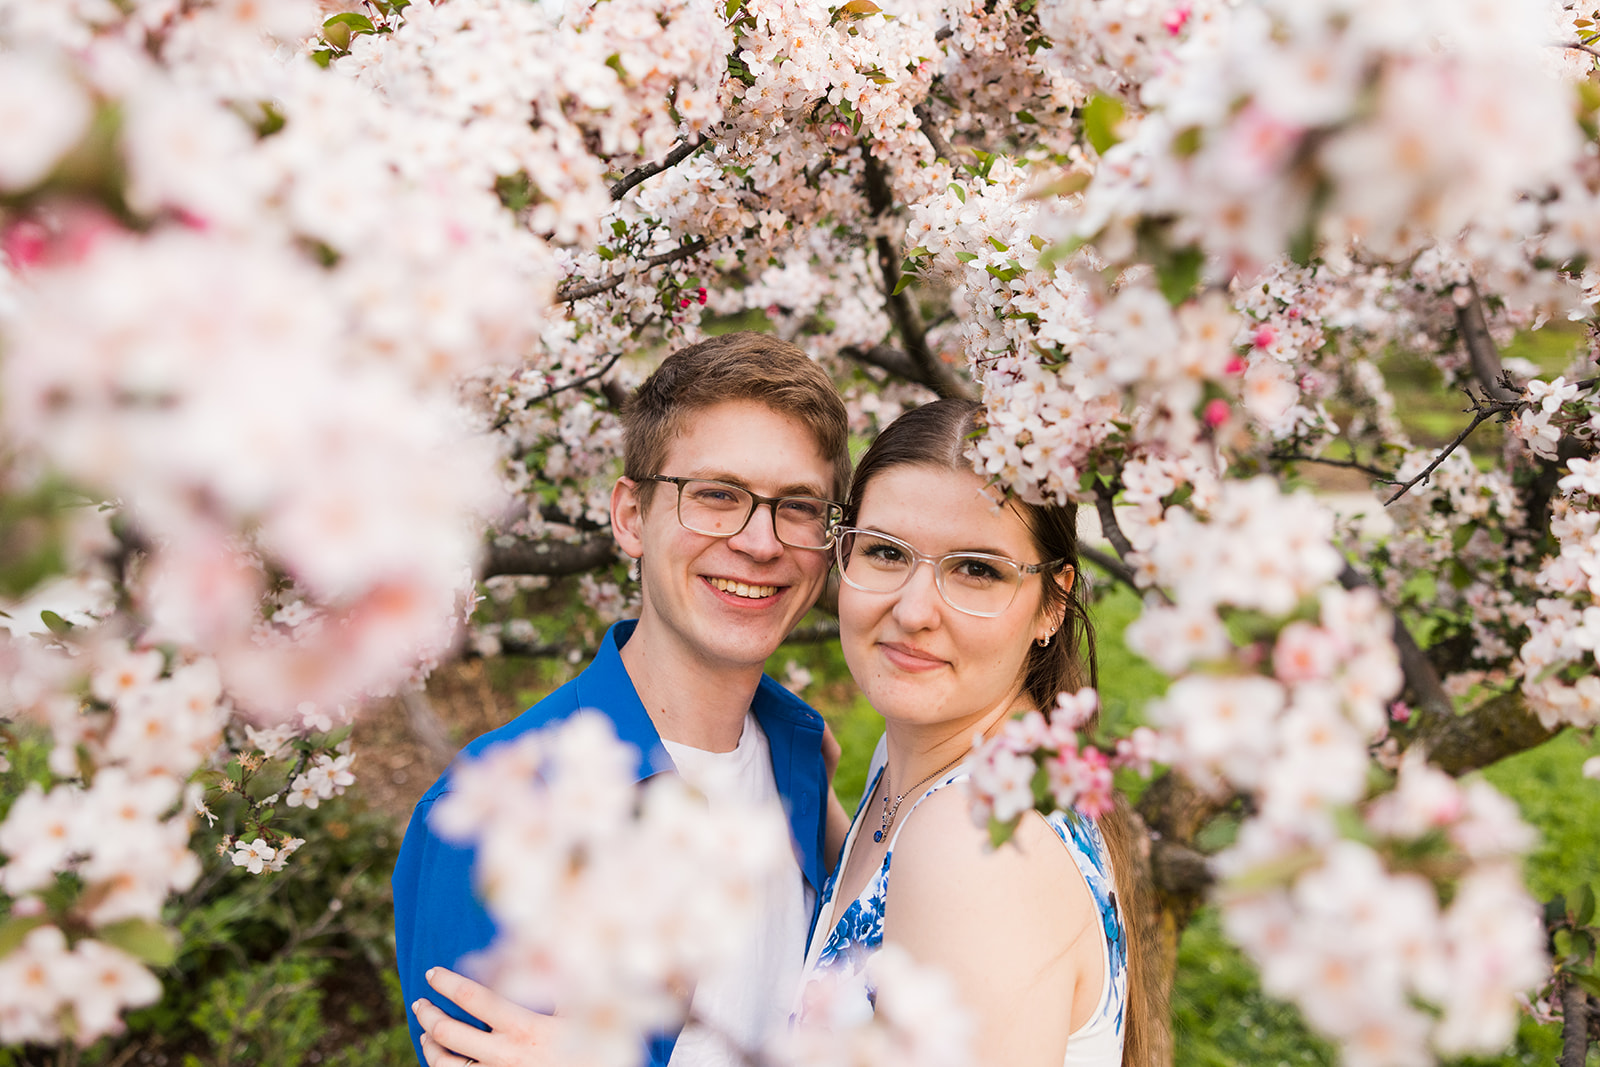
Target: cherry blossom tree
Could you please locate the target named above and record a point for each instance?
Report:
(313, 312)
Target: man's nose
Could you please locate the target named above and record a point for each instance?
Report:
(759, 538)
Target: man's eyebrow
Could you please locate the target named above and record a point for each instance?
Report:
(793, 489)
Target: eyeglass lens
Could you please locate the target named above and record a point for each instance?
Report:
(721, 510)
(972, 582)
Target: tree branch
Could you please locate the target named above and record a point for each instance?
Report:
(528, 402)
(1473, 326)
(1421, 678)
(1577, 47)
(1111, 565)
(550, 558)
(1109, 527)
(1374, 472)
(892, 360)
(1483, 411)
(930, 129)
(1574, 1025)
(1499, 727)
(570, 292)
(650, 170)
(902, 309)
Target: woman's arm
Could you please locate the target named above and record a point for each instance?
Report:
(516, 1036)
(1015, 927)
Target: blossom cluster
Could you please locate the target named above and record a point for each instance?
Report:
(563, 842)
(1362, 932)
(1331, 118)
(565, 836)
(1006, 780)
(121, 835)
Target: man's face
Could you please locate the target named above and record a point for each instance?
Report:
(691, 581)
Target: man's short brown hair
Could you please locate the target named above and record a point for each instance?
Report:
(733, 366)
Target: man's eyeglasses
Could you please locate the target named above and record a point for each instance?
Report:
(976, 583)
(722, 509)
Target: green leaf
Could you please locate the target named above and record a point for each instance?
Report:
(1589, 982)
(13, 930)
(856, 9)
(1101, 115)
(359, 23)
(961, 194)
(1586, 906)
(1180, 274)
(1043, 799)
(1027, 117)
(56, 623)
(1186, 142)
(142, 939)
(1000, 832)
(900, 286)
(338, 29)
(999, 245)
(966, 257)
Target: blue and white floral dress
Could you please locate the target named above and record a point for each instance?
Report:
(844, 942)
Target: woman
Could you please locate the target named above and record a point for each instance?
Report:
(989, 629)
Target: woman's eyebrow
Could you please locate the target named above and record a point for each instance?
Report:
(983, 551)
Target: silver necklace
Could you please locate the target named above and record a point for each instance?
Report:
(890, 810)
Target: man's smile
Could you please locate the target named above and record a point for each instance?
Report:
(747, 590)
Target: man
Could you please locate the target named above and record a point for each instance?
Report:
(734, 451)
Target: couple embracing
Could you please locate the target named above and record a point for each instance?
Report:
(733, 502)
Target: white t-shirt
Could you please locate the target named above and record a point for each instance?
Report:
(750, 1000)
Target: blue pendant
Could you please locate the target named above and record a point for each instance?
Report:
(877, 835)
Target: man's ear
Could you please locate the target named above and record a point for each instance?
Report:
(627, 517)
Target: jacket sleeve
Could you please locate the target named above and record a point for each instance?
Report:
(437, 917)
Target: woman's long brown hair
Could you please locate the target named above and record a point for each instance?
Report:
(937, 435)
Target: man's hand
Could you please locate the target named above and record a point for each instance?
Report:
(836, 826)
(830, 751)
(516, 1036)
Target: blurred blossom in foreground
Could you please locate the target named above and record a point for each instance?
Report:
(613, 898)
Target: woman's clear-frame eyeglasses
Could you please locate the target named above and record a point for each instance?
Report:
(974, 583)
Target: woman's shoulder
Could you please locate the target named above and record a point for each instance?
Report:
(943, 856)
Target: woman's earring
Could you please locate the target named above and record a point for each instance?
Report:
(1044, 642)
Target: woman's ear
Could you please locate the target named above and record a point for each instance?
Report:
(1066, 578)
(627, 517)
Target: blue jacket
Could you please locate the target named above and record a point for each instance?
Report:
(437, 917)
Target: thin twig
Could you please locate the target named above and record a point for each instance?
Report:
(650, 170)
(1577, 47)
(569, 292)
(1296, 457)
(1483, 412)
(575, 383)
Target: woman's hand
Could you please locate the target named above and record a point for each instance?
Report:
(516, 1036)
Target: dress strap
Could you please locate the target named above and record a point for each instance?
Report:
(955, 774)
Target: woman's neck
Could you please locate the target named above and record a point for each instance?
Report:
(918, 750)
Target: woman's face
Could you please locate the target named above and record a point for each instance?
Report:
(917, 659)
